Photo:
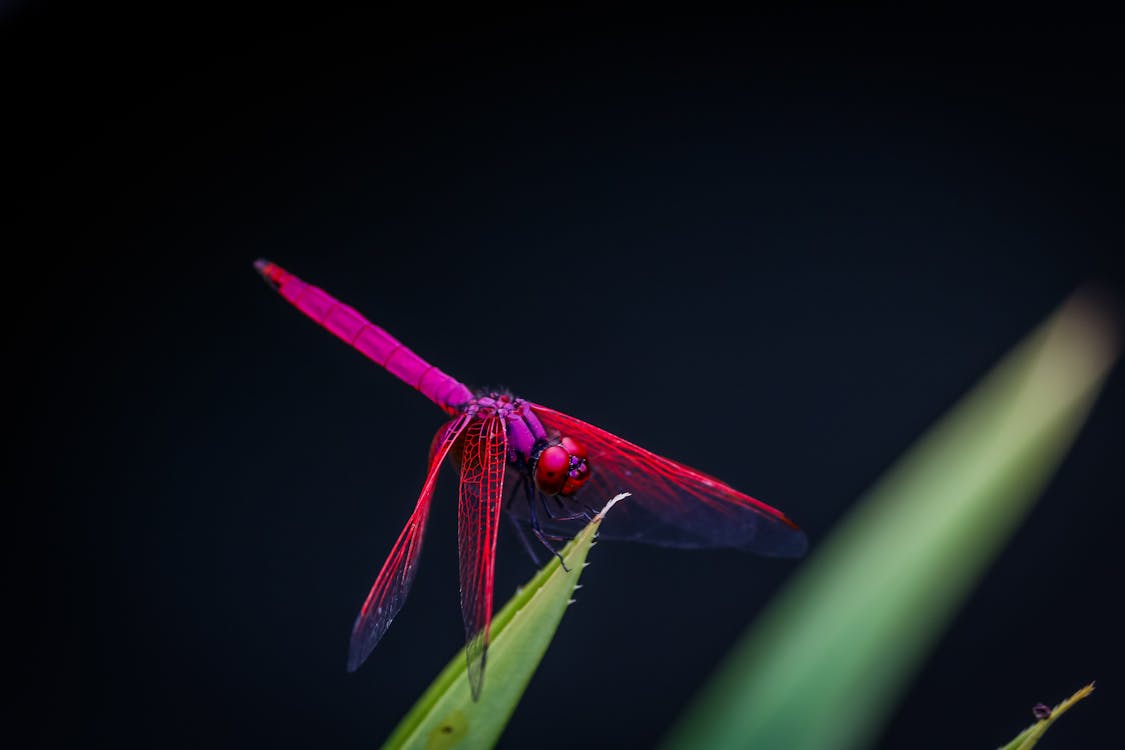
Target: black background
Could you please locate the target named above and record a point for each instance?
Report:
(774, 247)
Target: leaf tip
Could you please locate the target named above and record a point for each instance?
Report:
(616, 499)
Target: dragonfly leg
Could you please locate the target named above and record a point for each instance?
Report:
(587, 511)
(570, 517)
(522, 482)
(538, 532)
(524, 540)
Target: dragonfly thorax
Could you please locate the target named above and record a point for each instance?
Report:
(556, 463)
(523, 429)
(495, 404)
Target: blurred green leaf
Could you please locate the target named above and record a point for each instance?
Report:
(446, 715)
(1026, 739)
(823, 666)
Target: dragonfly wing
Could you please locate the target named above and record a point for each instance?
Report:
(483, 462)
(672, 504)
(394, 580)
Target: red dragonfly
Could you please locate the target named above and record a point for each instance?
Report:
(554, 462)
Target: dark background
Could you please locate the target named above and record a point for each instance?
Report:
(775, 247)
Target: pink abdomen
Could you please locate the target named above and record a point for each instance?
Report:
(372, 341)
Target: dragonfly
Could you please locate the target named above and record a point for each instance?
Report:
(553, 465)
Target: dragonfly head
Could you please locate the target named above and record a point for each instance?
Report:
(560, 467)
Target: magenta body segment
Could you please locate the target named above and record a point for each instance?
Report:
(369, 339)
(523, 428)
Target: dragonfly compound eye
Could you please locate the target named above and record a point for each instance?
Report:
(551, 470)
(573, 447)
(577, 467)
(562, 468)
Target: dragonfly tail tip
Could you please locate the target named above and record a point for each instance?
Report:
(271, 272)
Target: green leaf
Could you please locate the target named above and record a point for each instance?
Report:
(1026, 739)
(446, 715)
(823, 666)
